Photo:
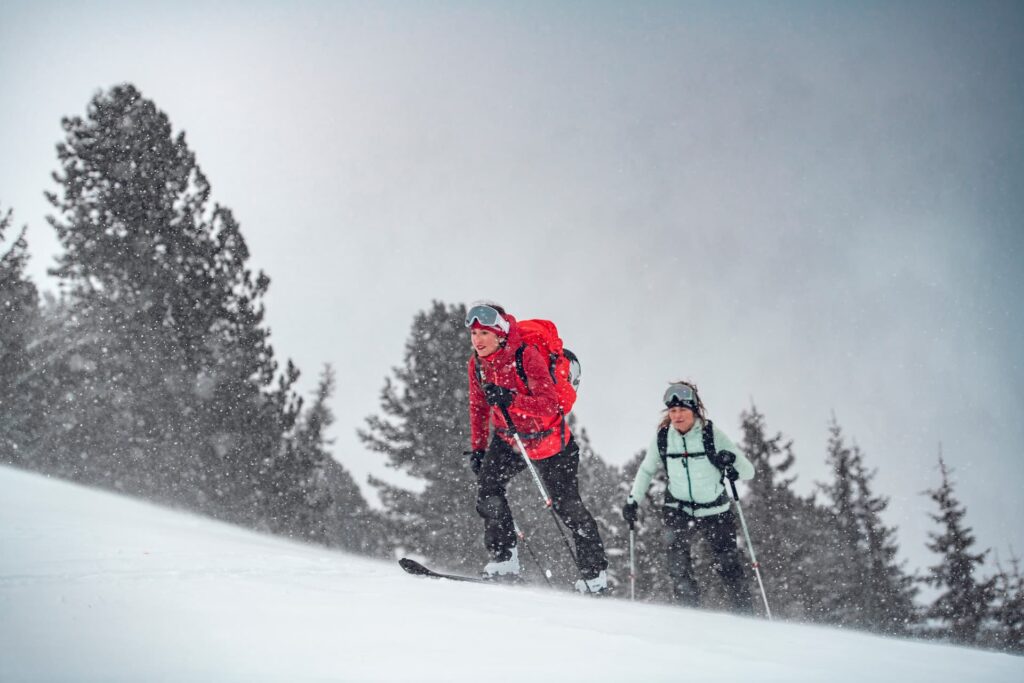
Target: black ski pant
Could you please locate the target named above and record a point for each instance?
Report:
(720, 533)
(559, 472)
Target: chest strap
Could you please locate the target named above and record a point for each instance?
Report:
(533, 435)
(708, 434)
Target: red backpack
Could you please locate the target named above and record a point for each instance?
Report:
(563, 364)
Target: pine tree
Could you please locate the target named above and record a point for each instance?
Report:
(785, 527)
(300, 498)
(887, 591)
(52, 388)
(862, 583)
(964, 600)
(176, 393)
(20, 417)
(315, 496)
(423, 431)
(845, 565)
(1009, 608)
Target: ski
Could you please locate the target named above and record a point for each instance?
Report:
(416, 569)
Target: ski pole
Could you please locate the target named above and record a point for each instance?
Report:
(632, 561)
(522, 539)
(750, 547)
(545, 497)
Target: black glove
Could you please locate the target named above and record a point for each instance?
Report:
(476, 460)
(499, 396)
(724, 460)
(631, 512)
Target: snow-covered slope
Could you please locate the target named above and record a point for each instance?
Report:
(96, 587)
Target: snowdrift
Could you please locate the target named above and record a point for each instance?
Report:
(97, 587)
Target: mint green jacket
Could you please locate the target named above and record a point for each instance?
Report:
(692, 479)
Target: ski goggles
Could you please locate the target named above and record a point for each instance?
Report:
(487, 316)
(680, 395)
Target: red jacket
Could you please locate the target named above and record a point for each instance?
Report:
(535, 408)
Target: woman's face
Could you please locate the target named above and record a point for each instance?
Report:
(484, 341)
(682, 418)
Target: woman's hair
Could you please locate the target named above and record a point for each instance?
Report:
(665, 421)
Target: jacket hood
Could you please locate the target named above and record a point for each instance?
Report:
(513, 338)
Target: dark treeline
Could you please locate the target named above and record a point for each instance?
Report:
(151, 373)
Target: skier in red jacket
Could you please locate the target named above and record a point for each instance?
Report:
(495, 382)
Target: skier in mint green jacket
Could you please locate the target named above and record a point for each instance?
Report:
(697, 457)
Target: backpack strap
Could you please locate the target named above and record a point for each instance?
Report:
(552, 361)
(722, 499)
(528, 436)
(663, 447)
(519, 366)
(709, 447)
(709, 440)
(477, 370)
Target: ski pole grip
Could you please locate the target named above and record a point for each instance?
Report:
(735, 496)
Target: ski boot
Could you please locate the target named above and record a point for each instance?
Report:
(504, 570)
(595, 586)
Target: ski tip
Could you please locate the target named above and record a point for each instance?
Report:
(412, 566)
(416, 569)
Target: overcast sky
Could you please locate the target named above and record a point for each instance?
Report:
(816, 207)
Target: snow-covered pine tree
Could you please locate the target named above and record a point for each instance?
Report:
(1008, 610)
(19, 311)
(300, 498)
(174, 391)
(316, 496)
(423, 430)
(887, 590)
(59, 372)
(784, 527)
(850, 574)
(964, 601)
(844, 558)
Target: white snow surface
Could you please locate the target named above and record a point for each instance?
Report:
(99, 587)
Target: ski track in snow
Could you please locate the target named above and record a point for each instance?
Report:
(99, 587)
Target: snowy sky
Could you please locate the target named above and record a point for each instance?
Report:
(817, 207)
